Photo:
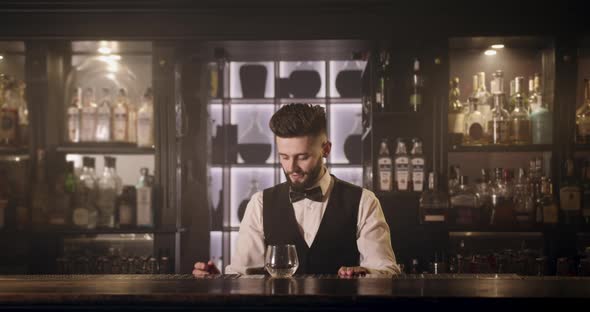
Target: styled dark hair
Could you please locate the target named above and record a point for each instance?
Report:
(298, 119)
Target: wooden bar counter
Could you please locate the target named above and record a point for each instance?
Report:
(318, 292)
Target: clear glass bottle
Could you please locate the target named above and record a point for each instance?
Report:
(402, 166)
(145, 205)
(108, 185)
(520, 124)
(570, 195)
(465, 204)
(456, 126)
(73, 115)
(88, 116)
(583, 117)
(541, 117)
(40, 200)
(535, 93)
(483, 189)
(104, 115)
(415, 100)
(475, 125)
(132, 120)
(85, 214)
(434, 204)
(417, 165)
(385, 163)
(23, 114)
(484, 100)
(120, 117)
(145, 121)
(523, 199)
(9, 114)
(499, 126)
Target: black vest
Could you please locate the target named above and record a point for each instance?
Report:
(334, 244)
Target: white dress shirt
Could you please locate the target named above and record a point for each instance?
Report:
(373, 240)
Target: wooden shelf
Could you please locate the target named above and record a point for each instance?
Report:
(74, 231)
(105, 148)
(501, 148)
(582, 147)
(397, 115)
(13, 151)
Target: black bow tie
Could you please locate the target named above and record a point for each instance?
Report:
(314, 194)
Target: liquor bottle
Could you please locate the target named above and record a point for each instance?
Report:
(484, 99)
(547, 202)
(401, 165)
(385, 164)
(131, 121)
(570, 196)
(499, 125)
(465, 204)
(454, 174)
(518, 96)
(502, 205)
(523, 199)
(583, 117)
(145, 125)
(64, 195)
(107, 194)
(434, 204)
(88, 116)
(73, 113)
(417, 165)
(384, 83)
(104, 115)
(535, 93)
(23, 114)
(541, 117)
(40, 199)
(520, 124)
(120, 117)
(126, 207)
(145, 208)
(456, 114)
(475, 125)
(586, 192)
(9, 115)
(416, 97)
(483, 189)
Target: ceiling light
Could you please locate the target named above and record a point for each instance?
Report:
(490, 52)
(104, 50)
(1, 57)
(497, 46)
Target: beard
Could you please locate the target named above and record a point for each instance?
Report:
(311, 178)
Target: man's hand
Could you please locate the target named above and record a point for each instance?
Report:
(203, 269)
(352, 271)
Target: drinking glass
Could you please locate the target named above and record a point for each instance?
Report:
(281, 260)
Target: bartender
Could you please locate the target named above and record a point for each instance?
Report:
(336, 227)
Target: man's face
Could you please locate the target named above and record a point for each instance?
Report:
(301, 159)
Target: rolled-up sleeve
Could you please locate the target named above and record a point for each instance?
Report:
(373, 237)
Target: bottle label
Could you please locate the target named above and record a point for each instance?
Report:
(385, 174)
(80, 217)
(402, 173)
(144, 131)
(476, 131)
(74, 126)
(584, 127)
(456, 122)
(434, 218)
(8, 123)
(103, 126)
(120, 126)
(416, 101)
(144, 206)
(418, 174)
(132, 126)
(125, 215)
(88, 125)
(570, 198)
(550, 213)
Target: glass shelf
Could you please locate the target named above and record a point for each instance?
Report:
(501, 148)
(105, 148)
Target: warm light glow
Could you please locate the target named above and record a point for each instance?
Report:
(115, 57)
(104, 50)
(1, 57)
(497, 46)
(113, 67)
(490, 52)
